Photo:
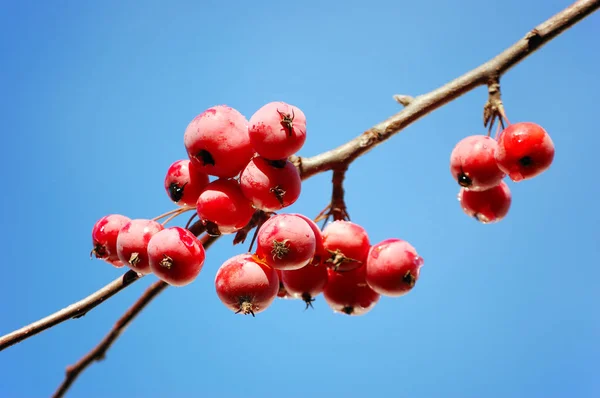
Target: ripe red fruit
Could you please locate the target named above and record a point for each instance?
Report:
(217, 141)
(305, 283)
(176, 256)
(347, 244)
(277, 130)
(473, 165)
(132, 243)
(246, 285)
(525, 150)
(271, 185)
(393, 267)
(104, 238)
(320, 253)
(348, 292)
(184, 182)
(286, 242)
(487, 206)
(223, 208)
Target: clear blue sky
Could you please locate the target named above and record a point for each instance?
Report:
(95, 97)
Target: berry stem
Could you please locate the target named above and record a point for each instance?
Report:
(176, 214)
(337, 207)
(178, 210)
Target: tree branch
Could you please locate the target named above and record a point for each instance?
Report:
(346, 153)
(99, 352)
(426, 103)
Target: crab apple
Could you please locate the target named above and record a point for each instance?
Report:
(286, 242)
(277, 130)
(282, 293)
(392, 267)
(132, 243)
(473, 165)
(271, 185)
(217, 141)
(487, 206)
(305, 283)
(525, 150)
(104, 238)
(246, 285)
(320, 252)
(176, 256)
(223, 208)
(184, 182)
(348, 292)
(347, 244)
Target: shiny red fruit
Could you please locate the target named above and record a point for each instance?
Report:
(104, 238)
(525, 150)
(487, 206)
(473, 164)
(305, 283)
(132, 243)
(393, 267)
(348, 293)
(347, 245)
(184, 182)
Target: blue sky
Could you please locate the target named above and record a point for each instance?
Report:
(96, 97)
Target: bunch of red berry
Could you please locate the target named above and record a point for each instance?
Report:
(479, 163)
(254, 176)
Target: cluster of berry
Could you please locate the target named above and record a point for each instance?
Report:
(293, 257)
(479, 163)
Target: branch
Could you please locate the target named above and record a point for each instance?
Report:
(99, 352)
(80, 308)
(426, 103)
(337, 207)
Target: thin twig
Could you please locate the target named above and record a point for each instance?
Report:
(346, 153)
(99, 352)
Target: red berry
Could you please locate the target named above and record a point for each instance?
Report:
(348, 292)
(184, 182)
(473, 165)
(305, 283)
(245, 285)
(525, 150)
(176, 256)
(320, 253)
(223, 208)
(271, 185)
(393, 267)
(104, 238)
(277, 130)
(286, 242)
(347, 244)
(217, 141)
(486, 206)
(132, 243)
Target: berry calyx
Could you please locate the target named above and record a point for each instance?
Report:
(271, 185)
(525, 150)
(245, 285)
(393, 267)
(487, 206)
(217, 141)
(305, 283)
(347, 244)
(348, 292)
(184, 182)
(286, 242)
(132, 243)
(176, 256)
(223, 208)
(277, 130)
(104, 238)
(473, 165)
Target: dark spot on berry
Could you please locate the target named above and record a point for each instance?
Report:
(99, 251)
(464, 180)
(526, 161)
(205, 157)
(280, 249)
(278, 164)
(134, 259)
(176, 191)
(212, 229)
(308, 300)
(409, 279)
(166, 262)
(246, 306)
(348, 310)
(279, 194)
(287, 122)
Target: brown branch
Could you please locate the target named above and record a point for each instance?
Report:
(426, 103)
(99, 352)
(80, 308)
(337, 207)
(346, 153)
